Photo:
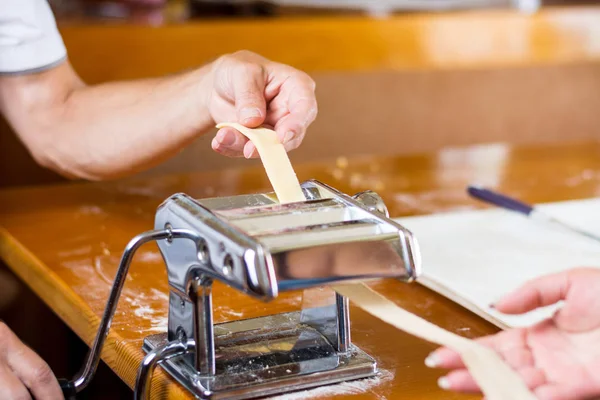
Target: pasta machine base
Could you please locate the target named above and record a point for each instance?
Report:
(267, 356)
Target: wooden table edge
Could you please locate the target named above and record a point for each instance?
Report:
(68, 306)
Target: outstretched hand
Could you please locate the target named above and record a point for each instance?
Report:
(559, 358)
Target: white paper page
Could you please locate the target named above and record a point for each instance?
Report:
(476, 257)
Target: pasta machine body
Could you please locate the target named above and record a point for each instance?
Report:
(261, 248)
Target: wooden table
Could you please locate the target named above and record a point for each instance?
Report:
(65, 242)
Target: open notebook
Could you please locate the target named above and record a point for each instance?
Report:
(475, 257)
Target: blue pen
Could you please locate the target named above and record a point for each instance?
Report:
(509, 203)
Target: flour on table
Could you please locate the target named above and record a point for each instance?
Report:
(432, 201)
(158, 295)
(149, 256)
(140, 306)
(84, 269)
(584, 176)
(140, 191)
(295, 300)
(80, 251)
(345, 388)
(99, 267)
(228, 312)
(91, 210)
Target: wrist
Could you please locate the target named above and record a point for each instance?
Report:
(201, 83)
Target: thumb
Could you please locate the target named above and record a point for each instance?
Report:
(538, 292)
(578, 289)
(249, 93)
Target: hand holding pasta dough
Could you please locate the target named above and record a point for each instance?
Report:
(254, 91)
(559, 358)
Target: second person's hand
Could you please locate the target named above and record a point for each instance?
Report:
(558, 358)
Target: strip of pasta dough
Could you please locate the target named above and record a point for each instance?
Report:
(495, 378)
(275, 160)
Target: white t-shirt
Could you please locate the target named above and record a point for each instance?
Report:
(29, 39)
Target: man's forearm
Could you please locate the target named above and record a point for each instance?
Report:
(116, 129)
(109, 130)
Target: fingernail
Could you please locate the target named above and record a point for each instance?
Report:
(443, 383)
(248, 154)
(431, 361)
(214, 144)
(289, 135)
(249, 113)
(226, 138)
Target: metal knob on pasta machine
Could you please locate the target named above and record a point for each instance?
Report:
(262, 248)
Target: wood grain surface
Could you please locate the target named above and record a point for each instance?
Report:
(65, 241)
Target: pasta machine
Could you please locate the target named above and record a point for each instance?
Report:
(262, 248)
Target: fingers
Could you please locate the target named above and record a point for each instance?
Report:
(229, 142)
(28, 367)
(249, 87)
(450, 359)
(276, 111)
(511, 345)
(576, 287)
(11, 387)
(444, 358)
(34, 373)
(250, 150)
(248, 82)
(462, 381)
(572, 391)
(557, 392)
(459, 381)
(302, 107)
(293, 144)
(539, 292)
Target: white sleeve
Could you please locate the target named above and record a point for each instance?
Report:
(29, 38)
